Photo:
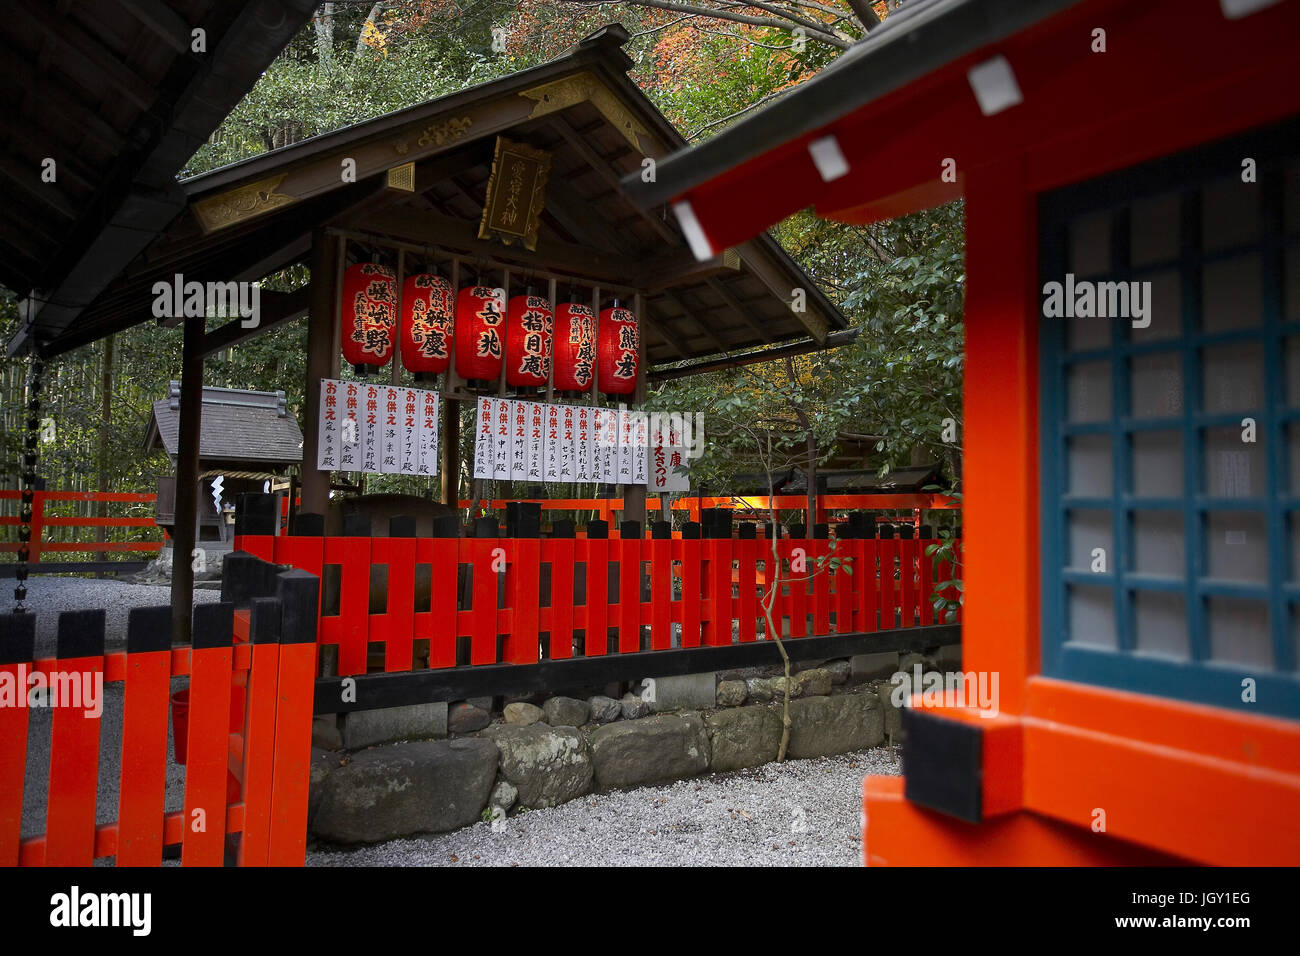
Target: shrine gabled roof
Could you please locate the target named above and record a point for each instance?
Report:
(237, 426)
(105, 102)
(252, 218)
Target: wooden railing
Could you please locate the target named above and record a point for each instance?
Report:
(566, 595)
(43, 521)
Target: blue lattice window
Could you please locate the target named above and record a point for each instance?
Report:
(1146, 457)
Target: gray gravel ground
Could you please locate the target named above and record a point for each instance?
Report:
(48, 596)
(800, 813)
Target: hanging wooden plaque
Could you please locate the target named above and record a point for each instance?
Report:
(516, 194)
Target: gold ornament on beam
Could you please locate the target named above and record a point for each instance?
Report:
(586, 88)
(240, 204)
(516, 194)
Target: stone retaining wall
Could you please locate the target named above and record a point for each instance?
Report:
(543, 753)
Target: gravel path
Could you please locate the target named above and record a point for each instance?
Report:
(800, 813)
(48, 596)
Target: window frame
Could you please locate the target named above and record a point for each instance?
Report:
(1196, 678)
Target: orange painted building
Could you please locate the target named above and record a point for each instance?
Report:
(1131, 178)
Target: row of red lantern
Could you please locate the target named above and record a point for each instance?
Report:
(489, 335)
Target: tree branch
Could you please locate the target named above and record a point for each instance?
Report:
(819, 33)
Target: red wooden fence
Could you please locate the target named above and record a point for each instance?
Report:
(684, 592)
(248, 742)
(42, 521)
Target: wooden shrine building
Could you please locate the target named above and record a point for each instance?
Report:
(408, 190)
(247, 443)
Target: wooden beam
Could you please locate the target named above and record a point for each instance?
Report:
(611, 176)
(461, 234)
(760, 264)
(160, 20)
(184, 530)
(702, 326)
(49, 195)
(277, 308)
(739, 309)
(66, 32)
(666, 333)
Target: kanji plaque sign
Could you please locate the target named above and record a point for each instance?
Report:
(516, 193)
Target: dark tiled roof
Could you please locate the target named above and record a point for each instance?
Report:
(237, 425)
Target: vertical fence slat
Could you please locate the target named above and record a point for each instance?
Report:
(888, 595)
(143, 787)
(353, 557)
(208, 742)
(17, 646)
(524, 577)
(907, 577)
(846, 551)
(483, 616)
(295, 681)
(692, 593)
(629, 589)
(747, 582)
(717, 594)
(822, 580)
(661, 587)
(926, 565)
(74, 746)
(259, 730)
(561, 550)
(956, 576)
(444, 576)
(801, 565)
(597, 627)
(771, 572)
(399, 629)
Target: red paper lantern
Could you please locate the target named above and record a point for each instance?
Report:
(620, 342)
(575, 347)
(428, 320)
(528, 341)
(369, 314)
(480, 324)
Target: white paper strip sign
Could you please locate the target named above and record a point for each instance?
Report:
(609, 450)
(569, 445)
(483, 438)
(518, 441)
(427, 458)
(536, 442)
(625, 438)
(640, 429)
(501, 443)
(390, 444)
(551, 446)
(370, 431)
(328, 434)
(664, 456)
(408, 452)
(583, 449)
(350, 449)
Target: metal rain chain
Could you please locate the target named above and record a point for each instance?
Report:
(29, 484)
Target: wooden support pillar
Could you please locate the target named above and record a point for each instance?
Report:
(187, 480)
(634, 495)
(450, 452)
(322, 318)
